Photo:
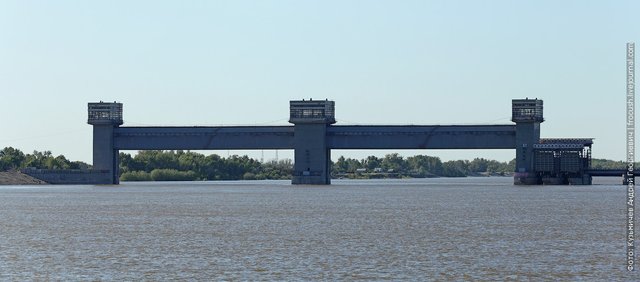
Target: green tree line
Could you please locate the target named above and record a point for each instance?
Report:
(417, 166)
(609, 164)
(180, 165)
(14, 159)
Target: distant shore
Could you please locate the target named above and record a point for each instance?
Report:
(18, 178)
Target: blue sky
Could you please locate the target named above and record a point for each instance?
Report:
(383, 62)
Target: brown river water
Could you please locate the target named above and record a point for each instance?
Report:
(418, 229)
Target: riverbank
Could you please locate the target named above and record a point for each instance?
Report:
(17, 178)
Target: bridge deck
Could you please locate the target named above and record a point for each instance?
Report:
(338, 137)
(203, 138)
(422, 137)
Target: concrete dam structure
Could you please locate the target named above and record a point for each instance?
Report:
(314, 134)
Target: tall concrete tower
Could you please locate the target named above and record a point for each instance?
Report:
(312, 156)
(527, 114)
(105, 117)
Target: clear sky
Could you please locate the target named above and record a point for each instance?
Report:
(383, 62)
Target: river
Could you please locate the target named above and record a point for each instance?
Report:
(415, 229)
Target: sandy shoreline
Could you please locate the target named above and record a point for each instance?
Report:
(18, 178)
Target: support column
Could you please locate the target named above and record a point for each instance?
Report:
(105, 117)
(105, 156)
(312, 156)
(527, 114)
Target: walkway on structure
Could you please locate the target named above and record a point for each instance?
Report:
(337, 137)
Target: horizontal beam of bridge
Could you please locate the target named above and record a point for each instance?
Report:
(422, 137)
(338, 137)
(204, 138)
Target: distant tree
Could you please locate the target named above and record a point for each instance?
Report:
(127, 164)
(37, 159)
(136, 176)
(281, 169)
(172, 175)
(511, 166)
(191, 161)
(371, 163)
(59, 162)
(478, 165)
(341, 165)
(457, 168)
(393, 162)
(11, 158)
(424, 166)
(608, 164)
(80, 165)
